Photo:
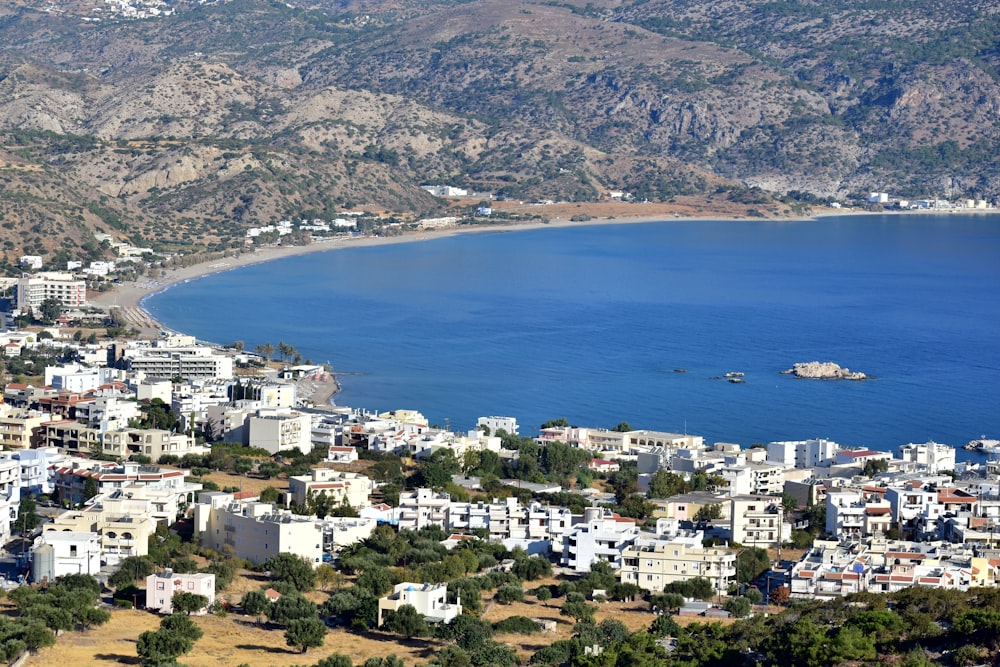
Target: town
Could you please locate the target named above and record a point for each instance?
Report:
(116, 443)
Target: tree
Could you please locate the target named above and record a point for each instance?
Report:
(291, 607)
(27, 515)
(874, 467)
(711, 512)
(738, 607)
(543, 594)
(90, 488)
(751, 563)
(130, 569)
(50, 310)
(305, 633)
(375, 580)
(188, 603)
(509, 593)
(664, 484)
(622, 427)
(175, 637)
(255, 603)
(292, 569)
(581, 612)
(780, 595)
(407, 621)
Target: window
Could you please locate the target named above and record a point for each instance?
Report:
(159, 585)
(190, 585)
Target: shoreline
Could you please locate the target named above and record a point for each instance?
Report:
(130, 296)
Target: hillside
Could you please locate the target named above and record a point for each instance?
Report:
(181, 131)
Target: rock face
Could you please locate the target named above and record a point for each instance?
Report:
(823, 370)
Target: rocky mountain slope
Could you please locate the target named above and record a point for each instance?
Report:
(181, 131)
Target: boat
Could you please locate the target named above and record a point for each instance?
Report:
(680, 370)
(735, 374)
(736, 380)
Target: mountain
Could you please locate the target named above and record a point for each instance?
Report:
(182, 130)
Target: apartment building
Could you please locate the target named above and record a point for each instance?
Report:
(856, 513)
(422, 507)
(279, 429)
(256, 531)
(35, 469)
(70, 480)
(189, 363)
(932, 456)
(757, 521)
(123, 524)
(802, 453)
(10, 496)
(350, 487)
(19, 427)
(652, 566)
(601, 535)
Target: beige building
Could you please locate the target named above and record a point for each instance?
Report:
(124, 525)
(73, 437)
(652, 567)
(352, 487)
(19, 428)
(757, 521)
(255, 531)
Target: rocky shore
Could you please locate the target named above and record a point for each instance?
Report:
(824, 370)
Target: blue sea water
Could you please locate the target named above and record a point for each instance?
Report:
(590, 323)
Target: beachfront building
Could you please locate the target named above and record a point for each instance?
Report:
(430, 601)
(34, 288)
(935, 457)
(163, 586)
(191, 362)
(256, 531)
(341, 487)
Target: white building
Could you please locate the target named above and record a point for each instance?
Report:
(422, 507)
(430, 601)
(934, 456)
(602, 535)
(56, 554)
(494, 424)
(186, 362)
(73, 377)
(161, 588)
(802, 453)
(10, 496)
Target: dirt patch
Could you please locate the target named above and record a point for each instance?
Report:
(255, 484)
(229, 641)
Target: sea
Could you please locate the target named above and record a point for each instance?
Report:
(640, 323)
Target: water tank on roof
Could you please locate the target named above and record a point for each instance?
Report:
(43, 563)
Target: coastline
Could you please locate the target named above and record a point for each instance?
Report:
(130, 296)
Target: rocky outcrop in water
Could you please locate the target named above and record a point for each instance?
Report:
(824, 370)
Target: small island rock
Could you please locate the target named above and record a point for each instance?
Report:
(823, 370)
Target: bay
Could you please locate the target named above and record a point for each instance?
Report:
(591, 322)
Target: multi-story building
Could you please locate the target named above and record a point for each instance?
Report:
(19, 427)
(256, 531)
(279, 429)
(10, 496)
(70, 481)
(350, 487)
(161, 588)
(430, 601)
(422, 507)
(802, 453)
(756, 521)
(494, 424)
(124, 525)
(601, 535)
(36, 469)
(74, 437)
(935, 457)
(34, 288)
(856, 513)
(653, 566)
(194, 362)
